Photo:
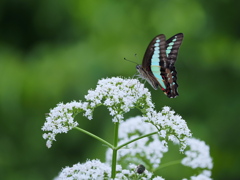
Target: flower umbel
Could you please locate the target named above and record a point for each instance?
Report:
(61, 119)
(198, 155)
(170, 126)
(119, 96)
(151, 149)
(143, 140)
(148, 150)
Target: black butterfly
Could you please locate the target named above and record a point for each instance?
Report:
(158, 64)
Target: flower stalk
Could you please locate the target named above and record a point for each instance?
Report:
(114, 154)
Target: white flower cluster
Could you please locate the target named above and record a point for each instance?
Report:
(61, 120)
(96, 170)
(198, 155)
(119, 96)
(90, 170)
(148, 150)
(171, 127)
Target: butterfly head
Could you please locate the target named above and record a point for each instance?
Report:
(139, 69)
(142, 73)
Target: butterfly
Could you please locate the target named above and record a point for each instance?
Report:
(158, 64)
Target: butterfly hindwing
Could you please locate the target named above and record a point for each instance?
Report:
(172, 47)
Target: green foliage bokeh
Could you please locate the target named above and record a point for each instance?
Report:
(55, 51)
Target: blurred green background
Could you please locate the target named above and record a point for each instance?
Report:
(55, 51)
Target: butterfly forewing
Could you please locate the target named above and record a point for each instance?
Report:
(154, 58)
(146, 63)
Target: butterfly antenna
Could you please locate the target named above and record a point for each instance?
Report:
(136, 57)
(130, 61)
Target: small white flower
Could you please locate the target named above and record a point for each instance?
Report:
(207, 173)
(158, 178)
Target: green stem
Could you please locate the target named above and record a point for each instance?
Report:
(169, 164)
(96, 137)
(114, 155)
(150, 134)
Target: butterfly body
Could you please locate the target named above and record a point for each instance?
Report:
(158, 64)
